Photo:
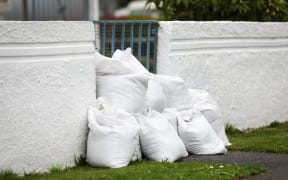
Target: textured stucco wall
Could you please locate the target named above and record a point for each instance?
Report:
(47, 81)
(244, 65)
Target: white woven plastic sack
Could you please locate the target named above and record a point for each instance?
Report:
(110, 66)
(127, 57)
(177, 93)
(159, 141)
(198, 136)
(155, 96)
(209, 108)
(126, 92)
(112, 138)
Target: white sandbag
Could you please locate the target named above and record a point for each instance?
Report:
(126, 92)
(215, 120)
(127, 57)
(198, 136)
(159, 141)
(177, 93)
(171, 115)
(106, 107)
(112, 137)
(209, 108)
(110, 66)
(155, 96)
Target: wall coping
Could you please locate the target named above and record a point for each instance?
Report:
(226, 29)
(46, 31)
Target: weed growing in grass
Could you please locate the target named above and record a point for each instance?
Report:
(274, 124)
(80, 161)
(230, 129)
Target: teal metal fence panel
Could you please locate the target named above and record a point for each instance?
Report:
(140, 36)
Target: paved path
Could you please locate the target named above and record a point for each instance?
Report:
(276, 164)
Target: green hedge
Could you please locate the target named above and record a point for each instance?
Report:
(235, 10)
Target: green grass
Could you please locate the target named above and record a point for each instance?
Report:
(273, 138)
(148, 170)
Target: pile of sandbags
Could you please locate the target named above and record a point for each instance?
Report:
(138, 112)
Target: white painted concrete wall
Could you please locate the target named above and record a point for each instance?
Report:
(47, 81)
(244, 65)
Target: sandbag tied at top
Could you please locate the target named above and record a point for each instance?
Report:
(159, 140)
(128, 58)
(110, 66)
(117, 81)
(198, 136)
(209, 108)
(112, 138)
